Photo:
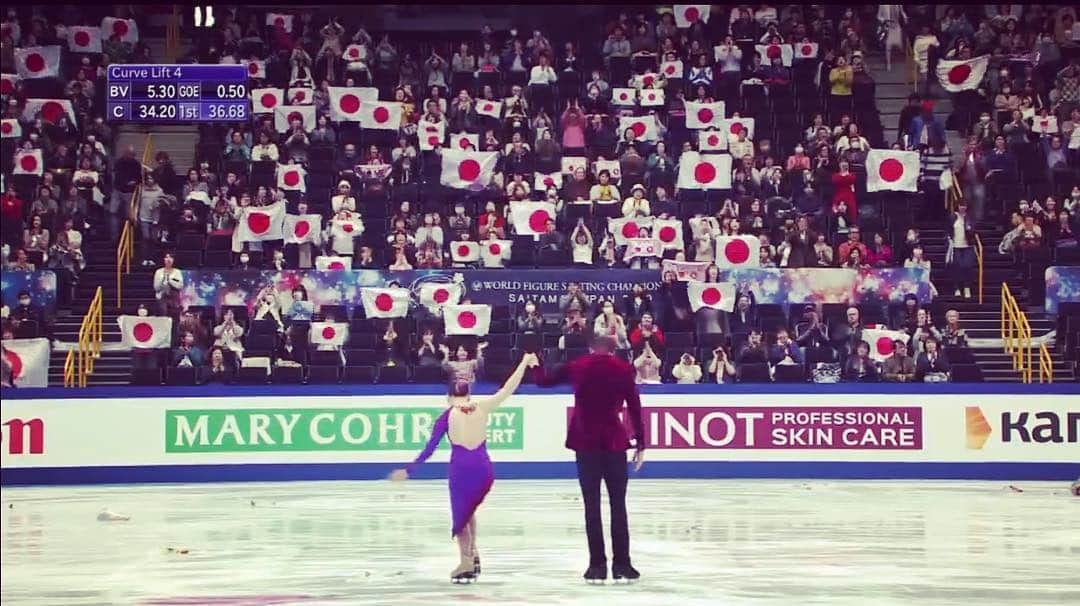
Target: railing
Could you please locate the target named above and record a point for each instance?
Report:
(1046, 365)
(70, 372)
(125, 247)
(979, 260)
(172, 35)
(1016, 334)
(79, 362)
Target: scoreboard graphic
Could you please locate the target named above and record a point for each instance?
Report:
(163, 94)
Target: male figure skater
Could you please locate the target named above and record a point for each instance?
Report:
(602, 383)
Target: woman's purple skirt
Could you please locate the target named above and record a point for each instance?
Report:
(471, 476)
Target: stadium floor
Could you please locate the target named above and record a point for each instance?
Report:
(716, 542)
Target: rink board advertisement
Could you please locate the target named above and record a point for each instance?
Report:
(702, 435)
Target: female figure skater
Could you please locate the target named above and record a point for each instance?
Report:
(470, 473)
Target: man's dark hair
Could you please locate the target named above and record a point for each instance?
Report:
(460, 389)
(603, 344)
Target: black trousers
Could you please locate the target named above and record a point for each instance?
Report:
(610, 467)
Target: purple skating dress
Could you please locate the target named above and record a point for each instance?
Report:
(471, 474)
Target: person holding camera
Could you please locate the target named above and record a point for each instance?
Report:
(720, 368)
(687, 371)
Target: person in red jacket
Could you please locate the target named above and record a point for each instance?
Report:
(647, 332)
(843, 182)
(11, 210)
(602, 384)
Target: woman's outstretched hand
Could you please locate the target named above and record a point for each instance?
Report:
(399, 475)
(530, 360)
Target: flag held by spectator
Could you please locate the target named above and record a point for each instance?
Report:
(146, 332)
(332, 263)
(643, 127)
(768, 52)
(285, 114)
(303, 228)
(890, 170)
(541, 181)
(641, 247)
(126, 30)
(689, 14)
(345, 103)
(704, 171)
(10, 128)
(714, 295)
(329, 333)
(291, 177)
(624, 229)
(732, 126)
(685, 271)
(29, 361)
(805, 50)
(355, 52)
(380, 115)
(435, 294)
(613, 168)
(266, 100)
(491, 109)
(672, 69)
(7, 83)
(301, 96)
(494, 252)
(430, 134)
(669, 233)
(256, 69)
(352, 227)
(704, 115)
(570, 164)
(881, 341)
(279, 19)
(28, 162)
(530, 218)
(262, 223)
(467, 319)
(464, 141)
(712, 140)
(467, 170)
(84, 39)
(49, 110)
(38, 61)
(961, 75)
(1047, 125)
(652, 98)
(385, 302)
(465, 251)
(625, 97)
(738, 252)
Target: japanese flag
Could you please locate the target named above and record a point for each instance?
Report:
(686, 271)
(266, 100)
(881, 341)
(301, 96)
(430, 134)
(380, 115)
(10, 128)
(646, 80)
(491, 109)
(570, 164)
(262, 223)
(530, 218)
(613, 168)
(956, 76)
(7, 83)
(83, 39)
(465, 251)
(463, 141)
(541, 181)
(355, 52)
(38, 61)
(805, 50)
(669, 233)
(494, 252)
(712, 140)
(1047, 125)
(332, 263)
(435, 294)
(291, 177)
(733, 125)
(49, 110)
(625, 229)
(689, 14)
(256, 69)
(714, 295)
(29, 361)
(738, 251)
(644, 127)
(146, 332)
(303, 228)
(704, 115)
(285, 21)
(29, 163)
(652, 98)
(889, 170)
(672, 69)
(769, 52)
(124, 29)
(467, 319)
(467, 170)
(385, 302)
(329, 333)
(346, 228)
(704, 171)
(625, 97)
(345, 102)
(641, 247)
(285, 114)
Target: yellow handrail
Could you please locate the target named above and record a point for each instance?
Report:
(70, 369)
(91, 333)
(125, 247)
(979, 260)
(1046, 365)
(1016, 334)
(172, 35)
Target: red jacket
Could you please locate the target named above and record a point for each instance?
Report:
(602, 384)
(11, 207)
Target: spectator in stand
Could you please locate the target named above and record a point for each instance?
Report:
(463, 367)
(810, 331)
(784, 350)
(952, 335)
(530, 320)
(744, 318)
(898, 367)
(931, 365)
(582, 245)
(754, 350)
(859, 368)
(429, 353)
(960, 231)
(608, 323)
(648, 366)
(168, 281)
(647, 332)
(217, 370)
(854, 242)
(844, 205)
(924, 331)
(848, 334)
(687, 371)
(187, 353)
(292, 350)
(36, 239)
(227, 335)
(882, 253)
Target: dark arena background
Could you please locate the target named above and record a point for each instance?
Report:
(248, 250)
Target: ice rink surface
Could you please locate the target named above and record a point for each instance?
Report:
(715, 542)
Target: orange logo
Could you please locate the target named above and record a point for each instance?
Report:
(978, 428)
